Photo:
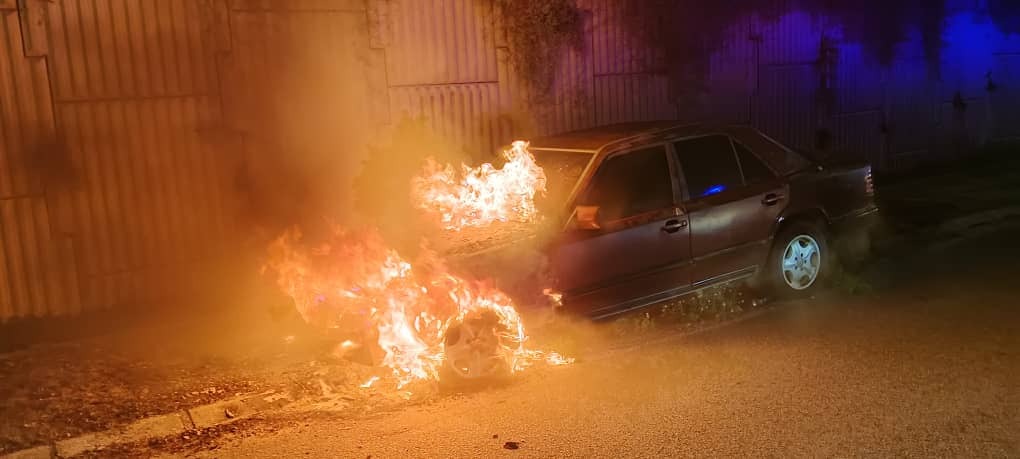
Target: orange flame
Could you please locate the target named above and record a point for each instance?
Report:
(355, 276)
(481, 195)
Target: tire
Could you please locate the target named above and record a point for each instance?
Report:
(476, 351)
(799, 262)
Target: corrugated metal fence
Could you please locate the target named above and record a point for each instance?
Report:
(109, 190)
(120, 118)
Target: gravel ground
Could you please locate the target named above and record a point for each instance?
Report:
(55, 391)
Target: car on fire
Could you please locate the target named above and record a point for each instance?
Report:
(640, 213)
(645, 212)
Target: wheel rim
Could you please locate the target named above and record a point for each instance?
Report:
(475, 348)
(801, 262)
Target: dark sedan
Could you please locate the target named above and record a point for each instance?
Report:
(651, 211)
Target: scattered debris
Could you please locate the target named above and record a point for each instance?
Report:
(229, 414)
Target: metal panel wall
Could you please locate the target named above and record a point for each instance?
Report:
(1005, 98)
(135, 86)
(622, 98)
(308, 92)
(465, 114)
(439, 41)
(792, 38)
(784, 106)
(732, 75)
(114, 188)
(616, 49)
(859, 80)
(37, 261)
(911, 107)
(116, 49)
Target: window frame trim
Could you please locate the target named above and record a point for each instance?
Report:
(682, 177)
(734, 142)
(597, 166)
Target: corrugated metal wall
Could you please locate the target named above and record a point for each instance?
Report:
(114, 190)
(38, 266)
(119, 143)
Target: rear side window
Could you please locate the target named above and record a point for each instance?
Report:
(709, 165)
(631, 184)
(755, 171)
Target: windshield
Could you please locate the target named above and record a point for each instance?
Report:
(562, 171)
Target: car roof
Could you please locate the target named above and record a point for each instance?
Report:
(594, 139)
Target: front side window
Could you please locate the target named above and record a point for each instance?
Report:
(709, 165)
(631, 184)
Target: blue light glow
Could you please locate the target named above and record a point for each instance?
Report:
(714, 190)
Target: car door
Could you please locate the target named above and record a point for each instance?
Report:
(642, 248)
(733, 201)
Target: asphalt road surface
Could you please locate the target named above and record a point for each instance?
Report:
(929, 368)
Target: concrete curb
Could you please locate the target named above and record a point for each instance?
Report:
(199, 417)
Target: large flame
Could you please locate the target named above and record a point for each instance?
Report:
(354, 276)
(479, 196)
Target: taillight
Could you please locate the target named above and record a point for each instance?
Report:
(869, 184)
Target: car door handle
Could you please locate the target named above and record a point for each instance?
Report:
(771, 199)
(673, 226)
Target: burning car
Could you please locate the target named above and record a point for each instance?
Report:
(635, 214)
(603, 221)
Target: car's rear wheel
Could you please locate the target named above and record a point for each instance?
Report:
(799, 261)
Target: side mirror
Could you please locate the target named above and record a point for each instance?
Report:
(586, 218)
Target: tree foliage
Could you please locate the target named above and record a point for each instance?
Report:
(537, 32)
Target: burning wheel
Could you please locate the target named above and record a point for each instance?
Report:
(478, 347)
